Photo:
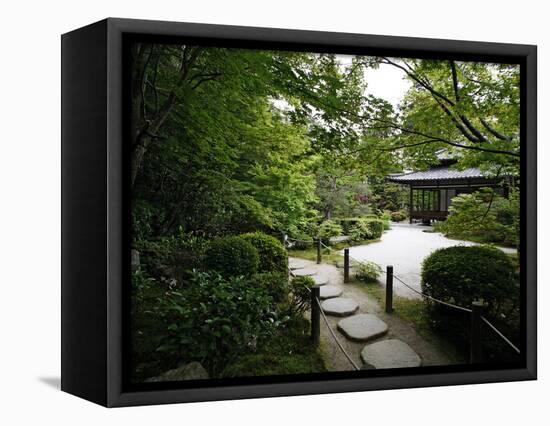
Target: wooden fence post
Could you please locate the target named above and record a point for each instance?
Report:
(475, 332)
(318, 251)
(389, 289)
(315, 315)
(346, 265)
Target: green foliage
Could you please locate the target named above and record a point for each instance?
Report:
(290, 351)
(147, 330)
(232, 256)
(484, 96)
(363, 228)
(469, 273)
(292, 141)
(484, 216)
(275, 284)
(328, 229)
(273, 256)
(202, 323)
(386, 195)
(347, 223)
(368, 271)
(340, 189)
(172, 257)
(360, 231)
(300, 295)
(375, 227)
(460, 275)
(398, 216)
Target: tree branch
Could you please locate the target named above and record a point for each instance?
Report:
(494, 132)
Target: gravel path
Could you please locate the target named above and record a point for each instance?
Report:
(405, 246)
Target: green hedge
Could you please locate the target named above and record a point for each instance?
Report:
(232, 256)
(273, 256)
(376, 228)
(328, 229)
(363, 228)
(398, 216)
(460, 275)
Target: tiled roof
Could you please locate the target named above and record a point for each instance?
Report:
(437, 173)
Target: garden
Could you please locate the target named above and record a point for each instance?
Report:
(244, 158)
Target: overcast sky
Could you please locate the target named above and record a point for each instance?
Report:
(386, 82)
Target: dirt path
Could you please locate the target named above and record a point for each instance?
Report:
(397, 328)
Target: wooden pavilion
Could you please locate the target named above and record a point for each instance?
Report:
(431, 191)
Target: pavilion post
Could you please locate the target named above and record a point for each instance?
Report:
(411, 204)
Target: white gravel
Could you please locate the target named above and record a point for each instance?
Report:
(405, 246)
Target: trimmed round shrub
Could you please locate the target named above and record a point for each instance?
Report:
(275, 284)
(273, 256)
(465, 274)
(398, 216)
(460, 275)
(232, 256)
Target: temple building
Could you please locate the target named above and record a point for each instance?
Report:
(431, 191)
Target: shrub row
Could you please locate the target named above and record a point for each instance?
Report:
(328, 229)
(369, 227)
(398, 216)
(366, 229)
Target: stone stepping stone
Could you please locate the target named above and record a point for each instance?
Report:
(320, 280)
(329, 291)
(296, 264)
(391, 353)
(362, 327)
(340, 307)
(305, 272)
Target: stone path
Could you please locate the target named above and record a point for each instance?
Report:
(329, 291)
(372, 338)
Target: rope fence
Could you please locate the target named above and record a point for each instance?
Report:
(315, 329)
(334, 335)
(502, 336)
(451, 305)
(433, 299)
(475, 312)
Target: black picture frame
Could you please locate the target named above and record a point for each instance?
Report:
(95, 256)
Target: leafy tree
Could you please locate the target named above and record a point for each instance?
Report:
(469, 108)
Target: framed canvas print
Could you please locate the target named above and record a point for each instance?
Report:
(253, 212)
